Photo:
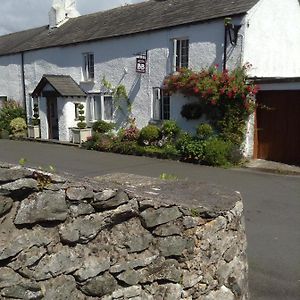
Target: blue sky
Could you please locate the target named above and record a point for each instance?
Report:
(17, 15)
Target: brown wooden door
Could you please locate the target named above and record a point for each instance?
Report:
(278, 126)
(52, 116)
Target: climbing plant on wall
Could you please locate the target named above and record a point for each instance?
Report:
(227, 98)
(119, 94)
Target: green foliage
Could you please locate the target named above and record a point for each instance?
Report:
(192, 111)
(231, 127)
(204, 131)
(81, 124)
(18, 127)
(119, 93)
(103, 127)
(22, 161)
(227, 98)
(149, 135)
(190, 148)
(170, 151)
(35, 121)
(170, 129)
(10, 110)
(216, 152)
(166, 176)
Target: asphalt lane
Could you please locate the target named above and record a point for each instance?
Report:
(272, 205)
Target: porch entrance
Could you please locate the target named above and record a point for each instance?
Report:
(278, 126)
(52, 116)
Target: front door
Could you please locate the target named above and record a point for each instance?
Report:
(52, 116)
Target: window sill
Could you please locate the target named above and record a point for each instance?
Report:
(90, 81)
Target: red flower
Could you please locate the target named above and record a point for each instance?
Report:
(213, 101)
(196, 90)
(214, 77)
(229, 94)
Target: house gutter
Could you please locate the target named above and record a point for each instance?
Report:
(23, 81)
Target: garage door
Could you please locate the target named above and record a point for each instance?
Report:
(278, 126)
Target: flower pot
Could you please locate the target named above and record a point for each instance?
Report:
(34, 131)
(80, 135)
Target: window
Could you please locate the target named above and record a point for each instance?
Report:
(88, 66)
(161, 105)
(100, 107)
(181, 54)
(2, 100)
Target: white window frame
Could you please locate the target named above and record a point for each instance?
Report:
(92, 107)
(160, 98)
(88, 70)
(178, 55)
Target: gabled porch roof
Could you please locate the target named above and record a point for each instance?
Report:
(64, 86)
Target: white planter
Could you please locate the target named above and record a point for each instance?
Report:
(80, 135)
(34, 131)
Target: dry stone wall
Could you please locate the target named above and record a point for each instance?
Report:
(119, 237)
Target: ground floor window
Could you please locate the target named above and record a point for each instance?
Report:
(2, 100)
(161, 105)
(100, 107)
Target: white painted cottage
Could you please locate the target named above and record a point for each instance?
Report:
(63, 64)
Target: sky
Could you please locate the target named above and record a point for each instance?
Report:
(17, 15)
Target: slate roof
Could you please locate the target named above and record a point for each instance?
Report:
(63, 84)
(125, 20)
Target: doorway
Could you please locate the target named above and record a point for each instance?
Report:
(52, 116)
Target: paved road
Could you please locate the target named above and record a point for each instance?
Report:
(272, 205)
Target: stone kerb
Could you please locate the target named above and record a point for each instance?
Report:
(119, 237)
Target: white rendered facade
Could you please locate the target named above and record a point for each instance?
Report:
(269, 31)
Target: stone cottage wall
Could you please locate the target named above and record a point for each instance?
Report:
(119, 237)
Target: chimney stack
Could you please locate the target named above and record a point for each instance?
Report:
(61, 11)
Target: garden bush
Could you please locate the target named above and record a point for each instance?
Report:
(18, 127)
(170, 129)
(216, 152)
(149, 135)
(131, 133)
(190, 148)
(103, 127)
(204, 131)
(10, 110)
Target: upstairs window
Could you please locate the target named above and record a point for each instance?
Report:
(88, 66)
(161, 105)
(181, 54)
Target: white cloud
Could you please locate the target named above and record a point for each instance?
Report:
(17, 15)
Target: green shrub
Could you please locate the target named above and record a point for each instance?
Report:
(91, 143)
(216, 152)
(18, 127)
(10, 110)
(103, 127)
(192, 111)
(125, 147)
(170, 151)
(81, 124)
(35, 120)
(204, 131)
(190, 148)
(170, 129)
(149, 135)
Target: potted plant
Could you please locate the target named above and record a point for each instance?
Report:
(34, 128)
(81, 133)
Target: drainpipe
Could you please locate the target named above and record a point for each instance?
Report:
(225, 43)
(23, 81)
